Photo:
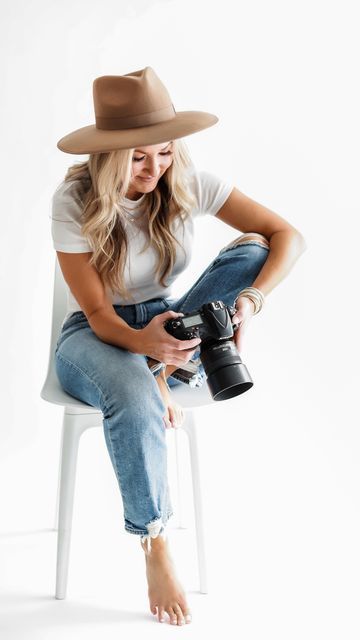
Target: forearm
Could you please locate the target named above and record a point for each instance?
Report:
(110, 328)
(285, 249)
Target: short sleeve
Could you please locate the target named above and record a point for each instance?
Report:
(210, 191)
(65, 221)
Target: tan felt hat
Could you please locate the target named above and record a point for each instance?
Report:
(130, 110)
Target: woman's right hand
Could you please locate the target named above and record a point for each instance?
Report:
(156, 342)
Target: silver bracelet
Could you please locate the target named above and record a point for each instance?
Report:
(253, 294)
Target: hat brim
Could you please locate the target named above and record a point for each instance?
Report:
(92, 140)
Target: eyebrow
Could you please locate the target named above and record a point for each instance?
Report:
(166, 146)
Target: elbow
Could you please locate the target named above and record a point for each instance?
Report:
(297, 238)
(302, 243)
(300, 240)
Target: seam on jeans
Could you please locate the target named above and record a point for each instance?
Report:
(198, 283)
(84, 373)
(108, 421)
(192, 293)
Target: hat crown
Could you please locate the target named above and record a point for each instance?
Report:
(130, 110)
(136, 99)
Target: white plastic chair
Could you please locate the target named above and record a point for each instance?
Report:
(79, 416)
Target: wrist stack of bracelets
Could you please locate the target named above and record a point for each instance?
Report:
(255, 295)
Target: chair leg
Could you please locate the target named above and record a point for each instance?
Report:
(73, 427)
(178, 480)
(56, 515)
(190, 427)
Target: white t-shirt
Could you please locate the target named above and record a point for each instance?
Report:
(139, 277)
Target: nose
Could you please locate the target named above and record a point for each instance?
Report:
(152, 168)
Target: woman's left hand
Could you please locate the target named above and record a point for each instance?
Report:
(245, 310)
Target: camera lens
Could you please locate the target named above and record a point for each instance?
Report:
(227, 376)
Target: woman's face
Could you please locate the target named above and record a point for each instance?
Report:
(148, 165)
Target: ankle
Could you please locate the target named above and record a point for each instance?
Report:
(157, 545)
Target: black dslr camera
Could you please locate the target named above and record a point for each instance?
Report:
(227, 376)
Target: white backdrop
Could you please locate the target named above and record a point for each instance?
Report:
(280, 463)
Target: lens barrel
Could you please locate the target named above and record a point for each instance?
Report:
(227, 376)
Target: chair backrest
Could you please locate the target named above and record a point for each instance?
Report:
(59, 303)
(58, 314)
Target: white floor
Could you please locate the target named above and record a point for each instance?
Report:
(282, 522)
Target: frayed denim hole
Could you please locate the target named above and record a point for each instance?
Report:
(244, 244)
(155, 528)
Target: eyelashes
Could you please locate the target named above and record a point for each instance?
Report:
(164, 153)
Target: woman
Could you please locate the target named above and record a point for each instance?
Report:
(122, 226)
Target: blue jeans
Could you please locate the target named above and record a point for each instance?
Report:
(121, 385)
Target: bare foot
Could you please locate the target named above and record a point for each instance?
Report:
(164, 589)
(175, 414)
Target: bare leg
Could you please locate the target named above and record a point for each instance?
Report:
(170, 368)
(174, 416)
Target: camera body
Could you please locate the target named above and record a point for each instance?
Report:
(227, 376)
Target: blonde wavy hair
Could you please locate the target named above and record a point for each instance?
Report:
(104, 180)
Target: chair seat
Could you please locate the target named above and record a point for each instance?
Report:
(187, 397)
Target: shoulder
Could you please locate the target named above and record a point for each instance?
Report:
(210, 189)
(198, 178)
(70, 190)
(202, 180)
(67, 199)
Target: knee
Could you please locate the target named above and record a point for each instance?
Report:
(134, 395)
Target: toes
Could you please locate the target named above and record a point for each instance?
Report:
(178, 415)
(178, 615)
(173, 416)
(172, 615)
(161, 615)
(188, 616)
(178, 611)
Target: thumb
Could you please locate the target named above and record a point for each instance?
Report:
(170, 314)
